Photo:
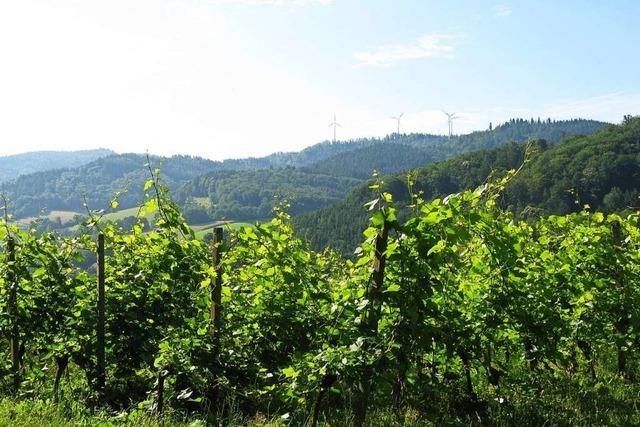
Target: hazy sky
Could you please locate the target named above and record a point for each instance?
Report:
(233, 78)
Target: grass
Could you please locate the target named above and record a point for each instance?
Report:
(205, 202)
(65, 217)
(30, 413)
(40, 413)
(551, 400)
(202, 230)
(209, 225)
(44, 413)
(124, 213)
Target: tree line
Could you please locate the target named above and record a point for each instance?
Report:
(323, 173)
(600, 170)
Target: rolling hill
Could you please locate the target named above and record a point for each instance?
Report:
(64, 189)
(397, 153)
(317, 176)
(13, 166)
(601, 170)
(249, 194)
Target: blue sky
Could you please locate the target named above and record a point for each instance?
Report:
(233, 78)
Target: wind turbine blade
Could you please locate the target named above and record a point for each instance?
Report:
(401, 114)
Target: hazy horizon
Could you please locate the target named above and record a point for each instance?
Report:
(245, 78)
(274, 152)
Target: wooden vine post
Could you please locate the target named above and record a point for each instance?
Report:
(216, 285)
(100, 328)
(370, 324)
(623, 321)
(215, 310)
(14, 339)
(160, 405)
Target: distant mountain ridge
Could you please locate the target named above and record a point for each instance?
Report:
(15, 165)
(248, 195)
(63, 189)
(314, 177)
(601, 169)
(397, 153)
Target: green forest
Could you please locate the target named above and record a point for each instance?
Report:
(248, 189)
(251, 194)
(492, 288)
(601, 170)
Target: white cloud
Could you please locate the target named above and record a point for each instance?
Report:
(437, 45)
(502, 10)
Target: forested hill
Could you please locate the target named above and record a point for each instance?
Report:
(602, 170)
(386, 158)
(251, 194)
(325, 157)
(325, 173)
(99, 180)
(21, 164)
(399, 153)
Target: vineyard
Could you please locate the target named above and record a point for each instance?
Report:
(454, 313)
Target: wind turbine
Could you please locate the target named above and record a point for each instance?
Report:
(335, 125)
(450, 118)
(397, 119)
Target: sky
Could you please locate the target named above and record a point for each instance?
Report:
(236, 78)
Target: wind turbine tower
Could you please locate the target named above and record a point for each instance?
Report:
(335, 125)
(397, 119)
(450, 118)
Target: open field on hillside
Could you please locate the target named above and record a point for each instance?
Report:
(202, 230)
(65, 217)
